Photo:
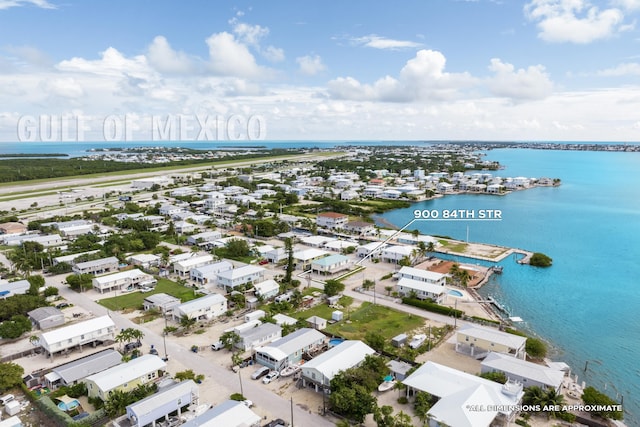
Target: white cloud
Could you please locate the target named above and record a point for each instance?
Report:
(626, 69)
(247, 33)
(378, 42)
(628, 4)
(310, 65)
(44, 4)
(166, 60)
(521, 84)
(229, 57)
(574, 21)
(112, 62)
(30, 55)
(66, 87)
(273, 54)
(422, 78)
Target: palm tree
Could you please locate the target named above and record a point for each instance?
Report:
(136, 334)
(187, 322)
(431, 247)
(464, 277)
(533, 395)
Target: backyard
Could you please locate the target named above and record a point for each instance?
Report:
(133, 300)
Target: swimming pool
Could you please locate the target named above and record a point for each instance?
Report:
(335, 341)
(68, 405)
(455, 293)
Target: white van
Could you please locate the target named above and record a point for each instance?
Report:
(6, 399)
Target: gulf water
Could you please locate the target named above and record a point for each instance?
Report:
(586, 305)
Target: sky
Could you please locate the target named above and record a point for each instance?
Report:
(552, 70)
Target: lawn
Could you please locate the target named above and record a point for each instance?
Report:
(458, 247)
(133, 300)
(366, 318)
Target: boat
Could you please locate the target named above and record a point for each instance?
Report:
(290, 370)
(388, 384)
(497, 269)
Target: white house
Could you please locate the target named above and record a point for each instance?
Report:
(421, 275)
(72, 372)
(459, 393)
(162, 302)
(159, 405)
(9, 289)
(422, 290)
(319, 371)
(97, 266)
(76, 335)
(206, 307)
(394, 254)
(332, 220)
(477, 341)
(183, 267)
(230, 279)
(372, 250)
(144, 260)
(229, 413)
(124, 280)
(288, 350)
(204, 237)
(125, 376)
(260, 335)
(208, 273)
(267, 289)
(331, 264)
(147, 183)
(526, 373)
(303, 259)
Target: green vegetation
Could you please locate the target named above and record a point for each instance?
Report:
(134, 300)
(457, 247)
(433, 307)
(16, 326)
(333, 287)
(591, 396)
(535, 347)
(540, 260)
(189, 375)
(118, 400)
(10, 375)
(498, 377)
(19, 305)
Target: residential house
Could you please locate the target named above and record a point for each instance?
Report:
(183, 192)
(145, 261)
(394, 254)
(208, 273)
(69, 259)
(73, 372)
(202, 239)
(46, 317)
(247, 274)
(183, 267)
(90, 331)
(477, 341)
(184, 227)
(162, 302)
(361, 228)
(9, 289)
(169, 210)
(317, 322)
(319, 371)
(267, 289)
(12, 228)
(316, 241)
(46, 240)
(288, 350)
(421, 290)
(459, 392)
(445, 188)
(97, 266)
(349, 195)
(125, 376)
(420, 275)
(526, 373)
(371, 250)
(276, 255)
(260, 335)
(332, 220)
(148, 183)
(331, 264)
(302, 259)
(128, 280)
(229, 413)
(168, 400)
(206, 307)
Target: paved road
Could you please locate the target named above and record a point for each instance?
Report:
(227, 381)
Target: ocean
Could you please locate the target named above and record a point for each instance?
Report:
(585, 305)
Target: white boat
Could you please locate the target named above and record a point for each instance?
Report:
(290, 370)
(387, 385)
(417, 341)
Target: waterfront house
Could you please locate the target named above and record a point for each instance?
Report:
(373, 249)
(183, 267)
(168, 400)
(477, 341)
(394, 254)
(420, 275)
(330, 264)
(422, 290)
(208, 273)
(206, 307)
(125, 280)
(361, 228)
(319, 371)
(162, 302)
(288, 350)
(527, 373)
(97, 266)
(46, 317)
(90, 331)
(258, 335)
(229, 413)
(332, 220)
(73, 372)
(247, 274)
(457, 391)
(125, 376)
(316, 241)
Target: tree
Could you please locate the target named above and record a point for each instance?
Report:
(288, 246)
(375, 341)
(229, 339)
(10, 375)
(187, 322)
(536, 348)
(15, 327)
(498, 377)
(431, 247)
(333, 287)
(591, 396)
(422, 404)
(368, 284)
(51, 291)
(35, 283)
(388, 289)
(354, 402)
(540, 260)
(238, 248)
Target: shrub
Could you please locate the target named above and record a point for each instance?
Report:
(435, 308)
(403, 400)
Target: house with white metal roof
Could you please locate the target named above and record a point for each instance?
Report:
(229, 413)
(527, 373)
(302, 259)
(206, 307)
(395, 254)
(422, 290)
(46, 317)
(289, 349)
(129, 280)
(171, 399)
(97, 266)
(262, 334)
(267, 289)
(183, 267)
(423, 275)
(208, 273)
(125, 376)
(162, 302)
(76, 335)
(72, 372)
(477, 341)
(230, 279)
(319, 371)
(460, 393)
(9, 289)
(144, 260)
(372, 250)
(331, 264)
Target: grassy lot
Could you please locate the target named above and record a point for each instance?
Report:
(133, 300)
(454, 247)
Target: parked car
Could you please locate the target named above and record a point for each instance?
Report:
(63, 305)
(270, 377)
(219, 345)
(278, 422)
(264, 262)
(247, 403)
(260, 372)
(153, 351)
(132, 346)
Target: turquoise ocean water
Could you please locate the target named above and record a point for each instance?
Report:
(586, 304)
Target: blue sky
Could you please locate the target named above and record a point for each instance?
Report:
(418, 70)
